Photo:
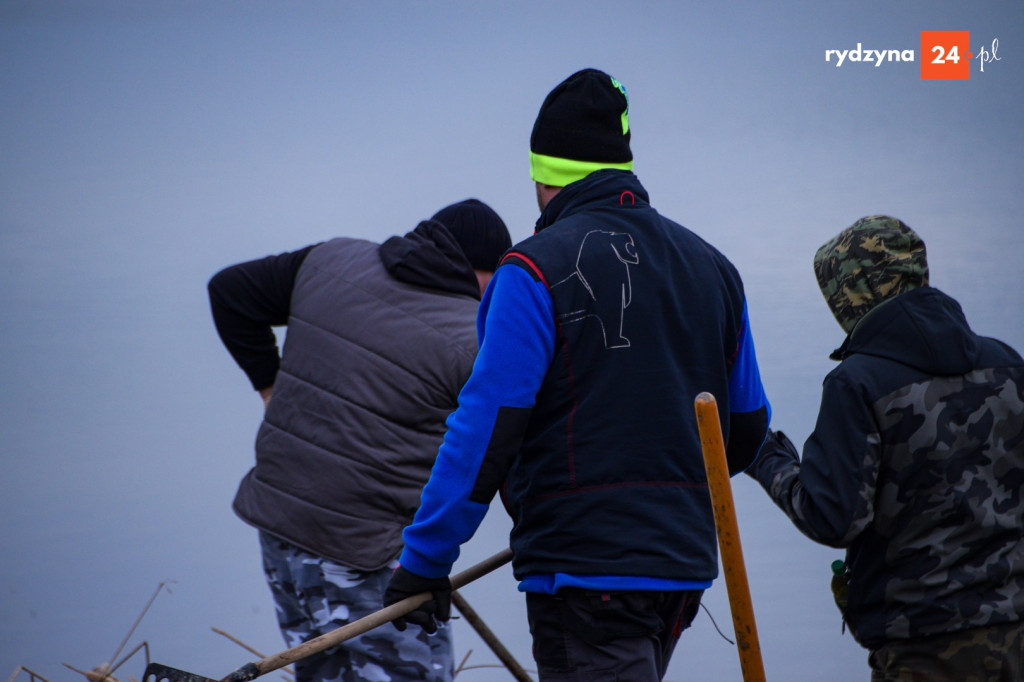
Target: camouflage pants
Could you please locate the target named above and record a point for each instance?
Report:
(988, 654)
(314, 596)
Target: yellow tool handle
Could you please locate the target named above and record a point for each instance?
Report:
(735, 570)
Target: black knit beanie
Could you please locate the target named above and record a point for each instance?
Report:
(582, 126)
(479, 231)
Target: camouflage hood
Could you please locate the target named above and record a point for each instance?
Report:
(875, 259)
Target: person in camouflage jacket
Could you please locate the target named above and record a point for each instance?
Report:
(915, 466)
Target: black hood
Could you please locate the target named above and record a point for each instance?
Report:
(430, 257)
(923, 328)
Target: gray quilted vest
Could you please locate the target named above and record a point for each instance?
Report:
(371, 369)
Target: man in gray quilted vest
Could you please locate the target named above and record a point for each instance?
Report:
(380, 339)
(915, 467)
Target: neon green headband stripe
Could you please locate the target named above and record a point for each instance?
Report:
(551, 170)
(625, 114)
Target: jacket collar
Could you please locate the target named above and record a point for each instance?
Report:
(606, 185)
(922, 328)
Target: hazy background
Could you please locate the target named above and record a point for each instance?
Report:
(145, 145)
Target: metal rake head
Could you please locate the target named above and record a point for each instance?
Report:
(157, 672)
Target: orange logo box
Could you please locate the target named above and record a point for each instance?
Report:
(945, 55)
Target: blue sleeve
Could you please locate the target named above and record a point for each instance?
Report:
(749, 410)
(517, 344)
(746, 393)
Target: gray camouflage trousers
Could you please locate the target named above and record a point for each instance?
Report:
(986, 654)
(314, 596)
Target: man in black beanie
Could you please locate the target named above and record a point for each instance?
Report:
(480, 232)
(380, 340)
(597, 334)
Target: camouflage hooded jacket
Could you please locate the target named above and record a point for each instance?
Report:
(916, 466)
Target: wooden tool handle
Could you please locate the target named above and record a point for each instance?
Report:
(729, 538)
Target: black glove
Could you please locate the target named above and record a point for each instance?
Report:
(776, 443)
(406, 584)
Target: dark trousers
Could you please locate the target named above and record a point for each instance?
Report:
(582, 635)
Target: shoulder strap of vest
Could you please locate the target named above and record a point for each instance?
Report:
(525, 262)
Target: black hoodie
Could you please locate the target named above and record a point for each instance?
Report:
(248, 299)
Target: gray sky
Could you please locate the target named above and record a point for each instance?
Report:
(145, 145)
